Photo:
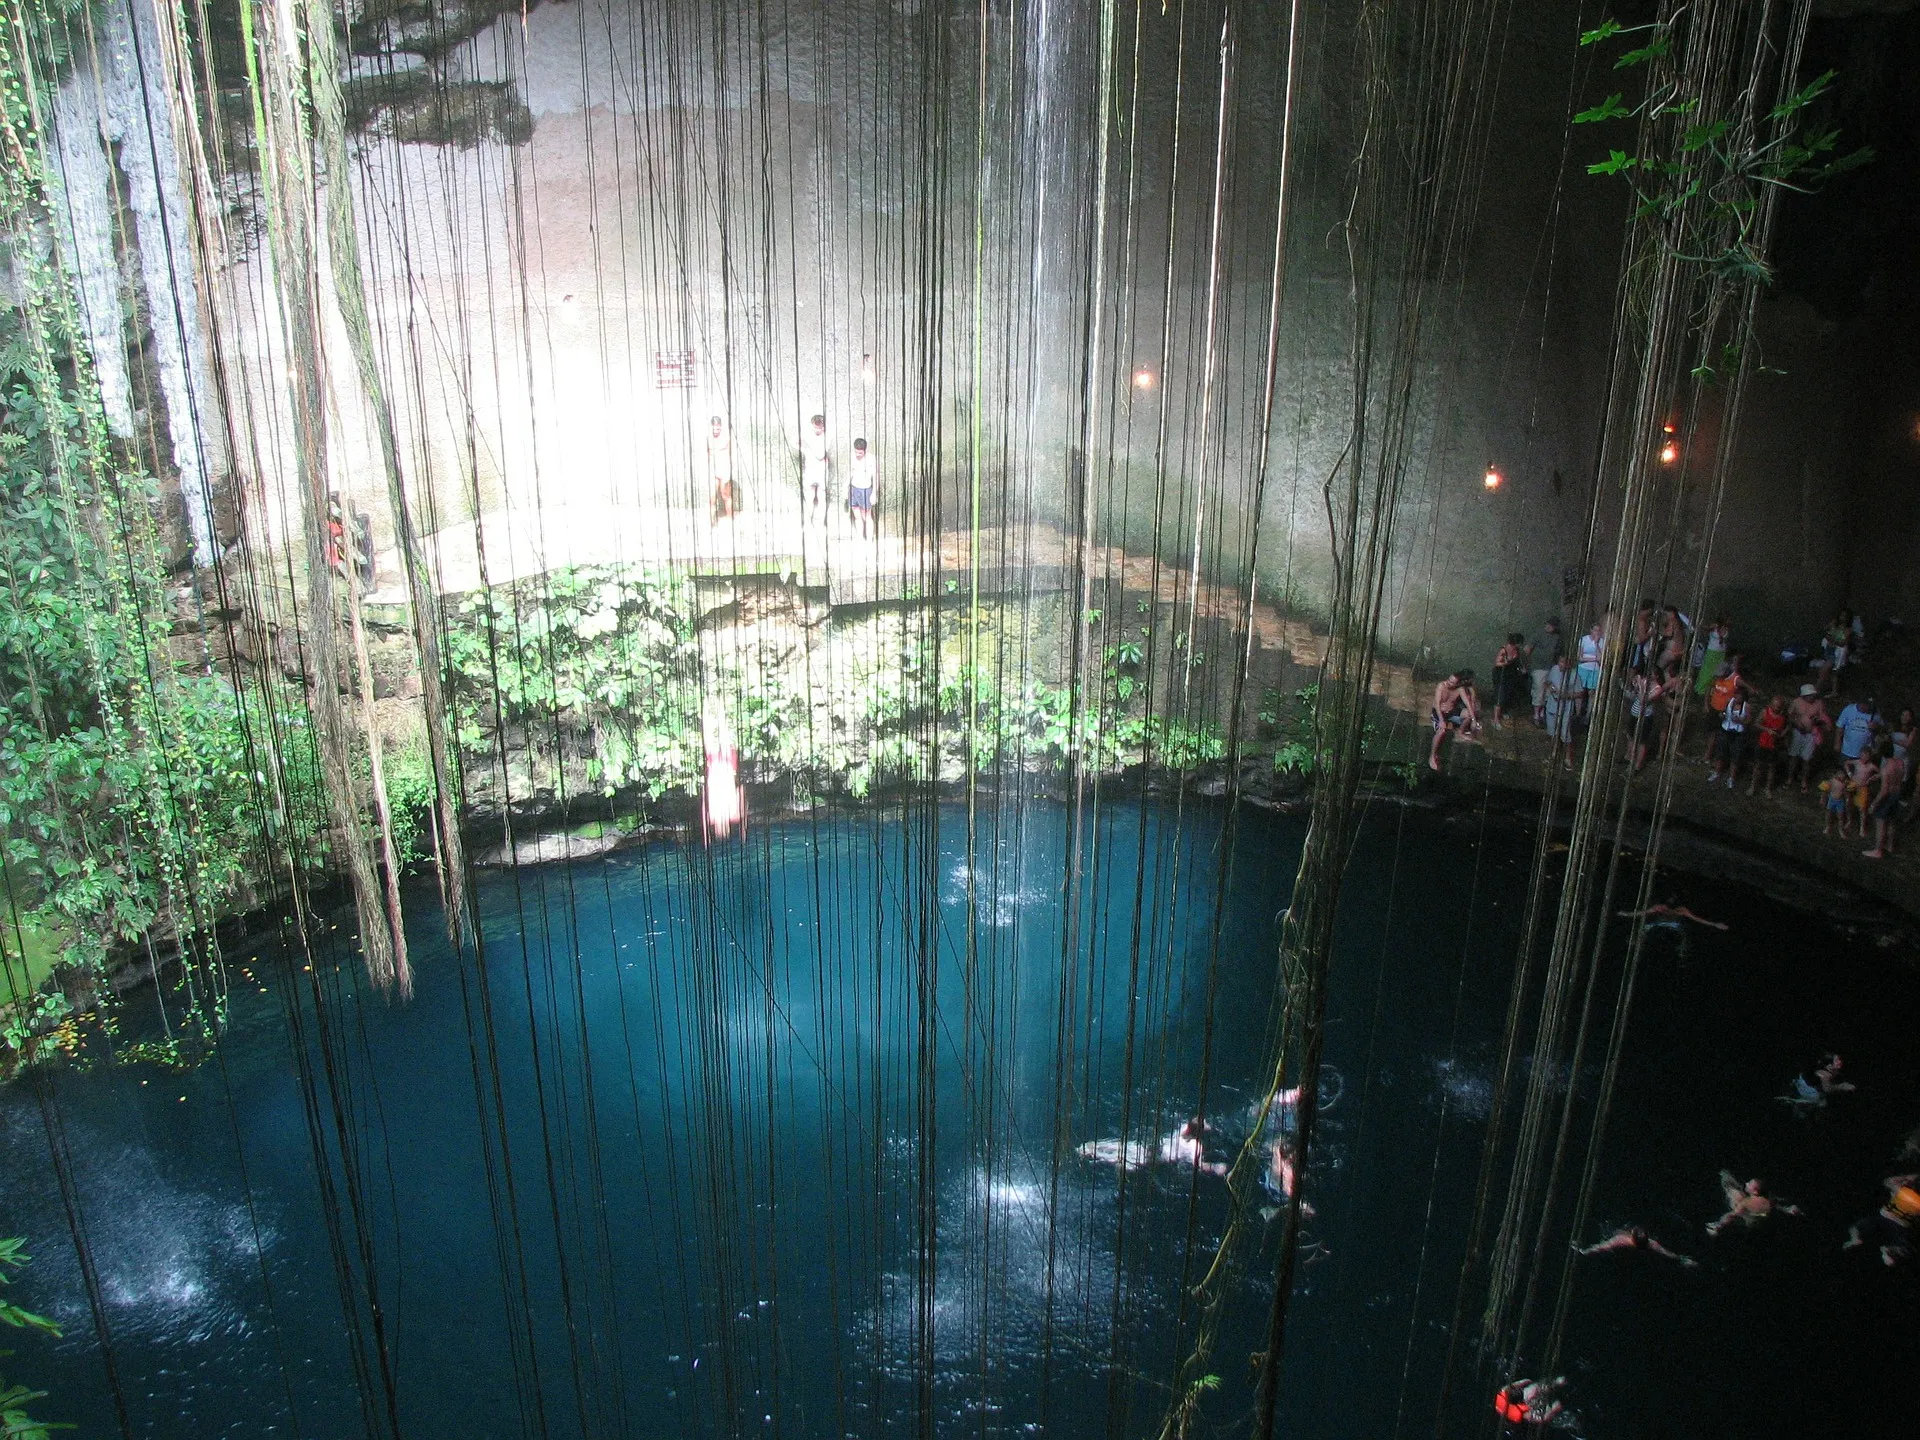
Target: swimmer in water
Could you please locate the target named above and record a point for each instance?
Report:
(1633, 1237)
(1811, 1088)
(1185, 1146)
(1746, 1204)
(1283, 1174)
(1669, 916)
(1188, 1146)
(1530, 1402)
(1889, 1230)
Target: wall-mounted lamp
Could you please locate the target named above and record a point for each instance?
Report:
(1143, 379)
(1491, 479)
(1669, 453)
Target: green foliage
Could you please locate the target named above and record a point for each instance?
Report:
(15, 1422)
(128, 791)
(13, 1257)
(602, 650)
(1703, 183)
(408, 772)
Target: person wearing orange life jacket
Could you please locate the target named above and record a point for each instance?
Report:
(1508, 1405)
(1731, 682)
(1889, 1230)
(1529, 1402)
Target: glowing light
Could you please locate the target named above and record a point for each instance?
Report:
(866, 369)
(1668, 427)
(1143, 379)
(1669, 453)
(1492, 479)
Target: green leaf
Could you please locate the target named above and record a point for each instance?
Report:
(1617, 162)
(1800, 99)
(1605, 30)
(1608, 109)
(1652, 50)
(1700, 136)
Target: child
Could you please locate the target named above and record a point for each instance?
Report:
(1834, 787)
(1768, 731)
(1862, 772)
(860, 488)
(1734, 721)
(1729, 683)
(1593, 647)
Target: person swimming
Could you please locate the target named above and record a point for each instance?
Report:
(1668, 917)
(1185, 1146)
(1747, 1204)
(1633, 1237)
(1889, 1230)
(1812, 1087)
(1530, 1403)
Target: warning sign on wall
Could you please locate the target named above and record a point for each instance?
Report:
(674, 370)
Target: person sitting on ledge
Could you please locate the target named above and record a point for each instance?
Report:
(1455, 707)
(1668, 917)
(1633, 1237)
(1746, 1204)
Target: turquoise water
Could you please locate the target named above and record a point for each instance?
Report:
(788, 1148)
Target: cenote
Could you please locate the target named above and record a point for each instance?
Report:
(1021, 718)
(782, 1164)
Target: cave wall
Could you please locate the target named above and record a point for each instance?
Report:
(763, 201)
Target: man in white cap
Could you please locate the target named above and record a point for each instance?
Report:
(1810, 722)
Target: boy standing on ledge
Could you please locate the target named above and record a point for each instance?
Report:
(860, 487)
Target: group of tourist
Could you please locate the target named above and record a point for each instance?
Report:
(1860, 758)
(816, 454)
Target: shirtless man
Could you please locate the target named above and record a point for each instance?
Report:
(1810, 723)
(1454, 707)
(1632, 1237)
(813, 469)
(1886, 799)
(1746, 1204)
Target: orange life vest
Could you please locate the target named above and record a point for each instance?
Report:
(1514, 1412)
(1722, 690)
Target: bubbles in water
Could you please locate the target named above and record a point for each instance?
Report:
(174, 1263)
(998, 898)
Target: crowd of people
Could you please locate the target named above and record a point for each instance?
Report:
(1672, 675)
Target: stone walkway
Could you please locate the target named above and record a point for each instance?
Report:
(1041, 558)
(1787, 823)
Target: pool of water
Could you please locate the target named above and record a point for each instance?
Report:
(776, 1139)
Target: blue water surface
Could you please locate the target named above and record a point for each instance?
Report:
(781, 1138)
